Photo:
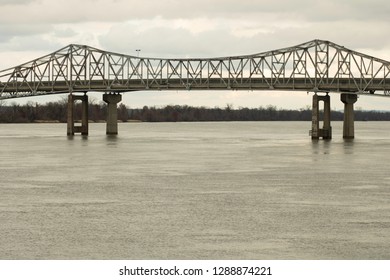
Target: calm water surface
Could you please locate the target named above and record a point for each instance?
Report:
(238, 190)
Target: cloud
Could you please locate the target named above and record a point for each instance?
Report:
(70, 11)
(204, 28)
(168, 41)
(160, 37)
(22, 30)
(191, 28)
(15, 2)
(196, 38)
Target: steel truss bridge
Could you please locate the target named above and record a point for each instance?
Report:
(315, 66)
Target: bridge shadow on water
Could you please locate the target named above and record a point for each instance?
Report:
(112, 139)
(74, 137)
(328, 146)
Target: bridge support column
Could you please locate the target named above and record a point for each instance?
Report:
(112, 114)
(71, 128)
(348, 126)
(326, 131)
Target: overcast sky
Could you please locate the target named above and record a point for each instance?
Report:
(195, 28)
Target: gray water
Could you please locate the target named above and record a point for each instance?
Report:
(237, 190)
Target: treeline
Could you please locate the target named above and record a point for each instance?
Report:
(57, 112)
(188, 113)
(269, 113)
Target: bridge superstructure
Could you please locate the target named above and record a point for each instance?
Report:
(317, 66)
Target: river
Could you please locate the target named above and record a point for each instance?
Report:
(212, 190)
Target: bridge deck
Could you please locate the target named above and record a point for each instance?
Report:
(20, 89)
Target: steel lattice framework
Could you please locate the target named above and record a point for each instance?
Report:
(317, 66)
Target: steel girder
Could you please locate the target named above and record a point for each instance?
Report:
(319, 66)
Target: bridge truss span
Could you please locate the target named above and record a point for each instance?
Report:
(318, 66)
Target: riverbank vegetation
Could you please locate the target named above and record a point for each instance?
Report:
(57, 112)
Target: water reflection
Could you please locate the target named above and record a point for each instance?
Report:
(348, 146)
(112, 140)
(75, 137)
(328, 146)
(320, 146)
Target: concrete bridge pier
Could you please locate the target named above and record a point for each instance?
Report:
(326, 131)
(71, 128)
(348, 126)
(112, 100)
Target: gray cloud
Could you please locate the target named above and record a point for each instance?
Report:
(209, 27)
(64, 32)
(165, 41)
(24, 29)
(70, 11)
(15, 2)
(10, 32)
(168, 41)
(31, 43)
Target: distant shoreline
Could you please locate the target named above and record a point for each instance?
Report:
(138, 121)
(56, 112)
